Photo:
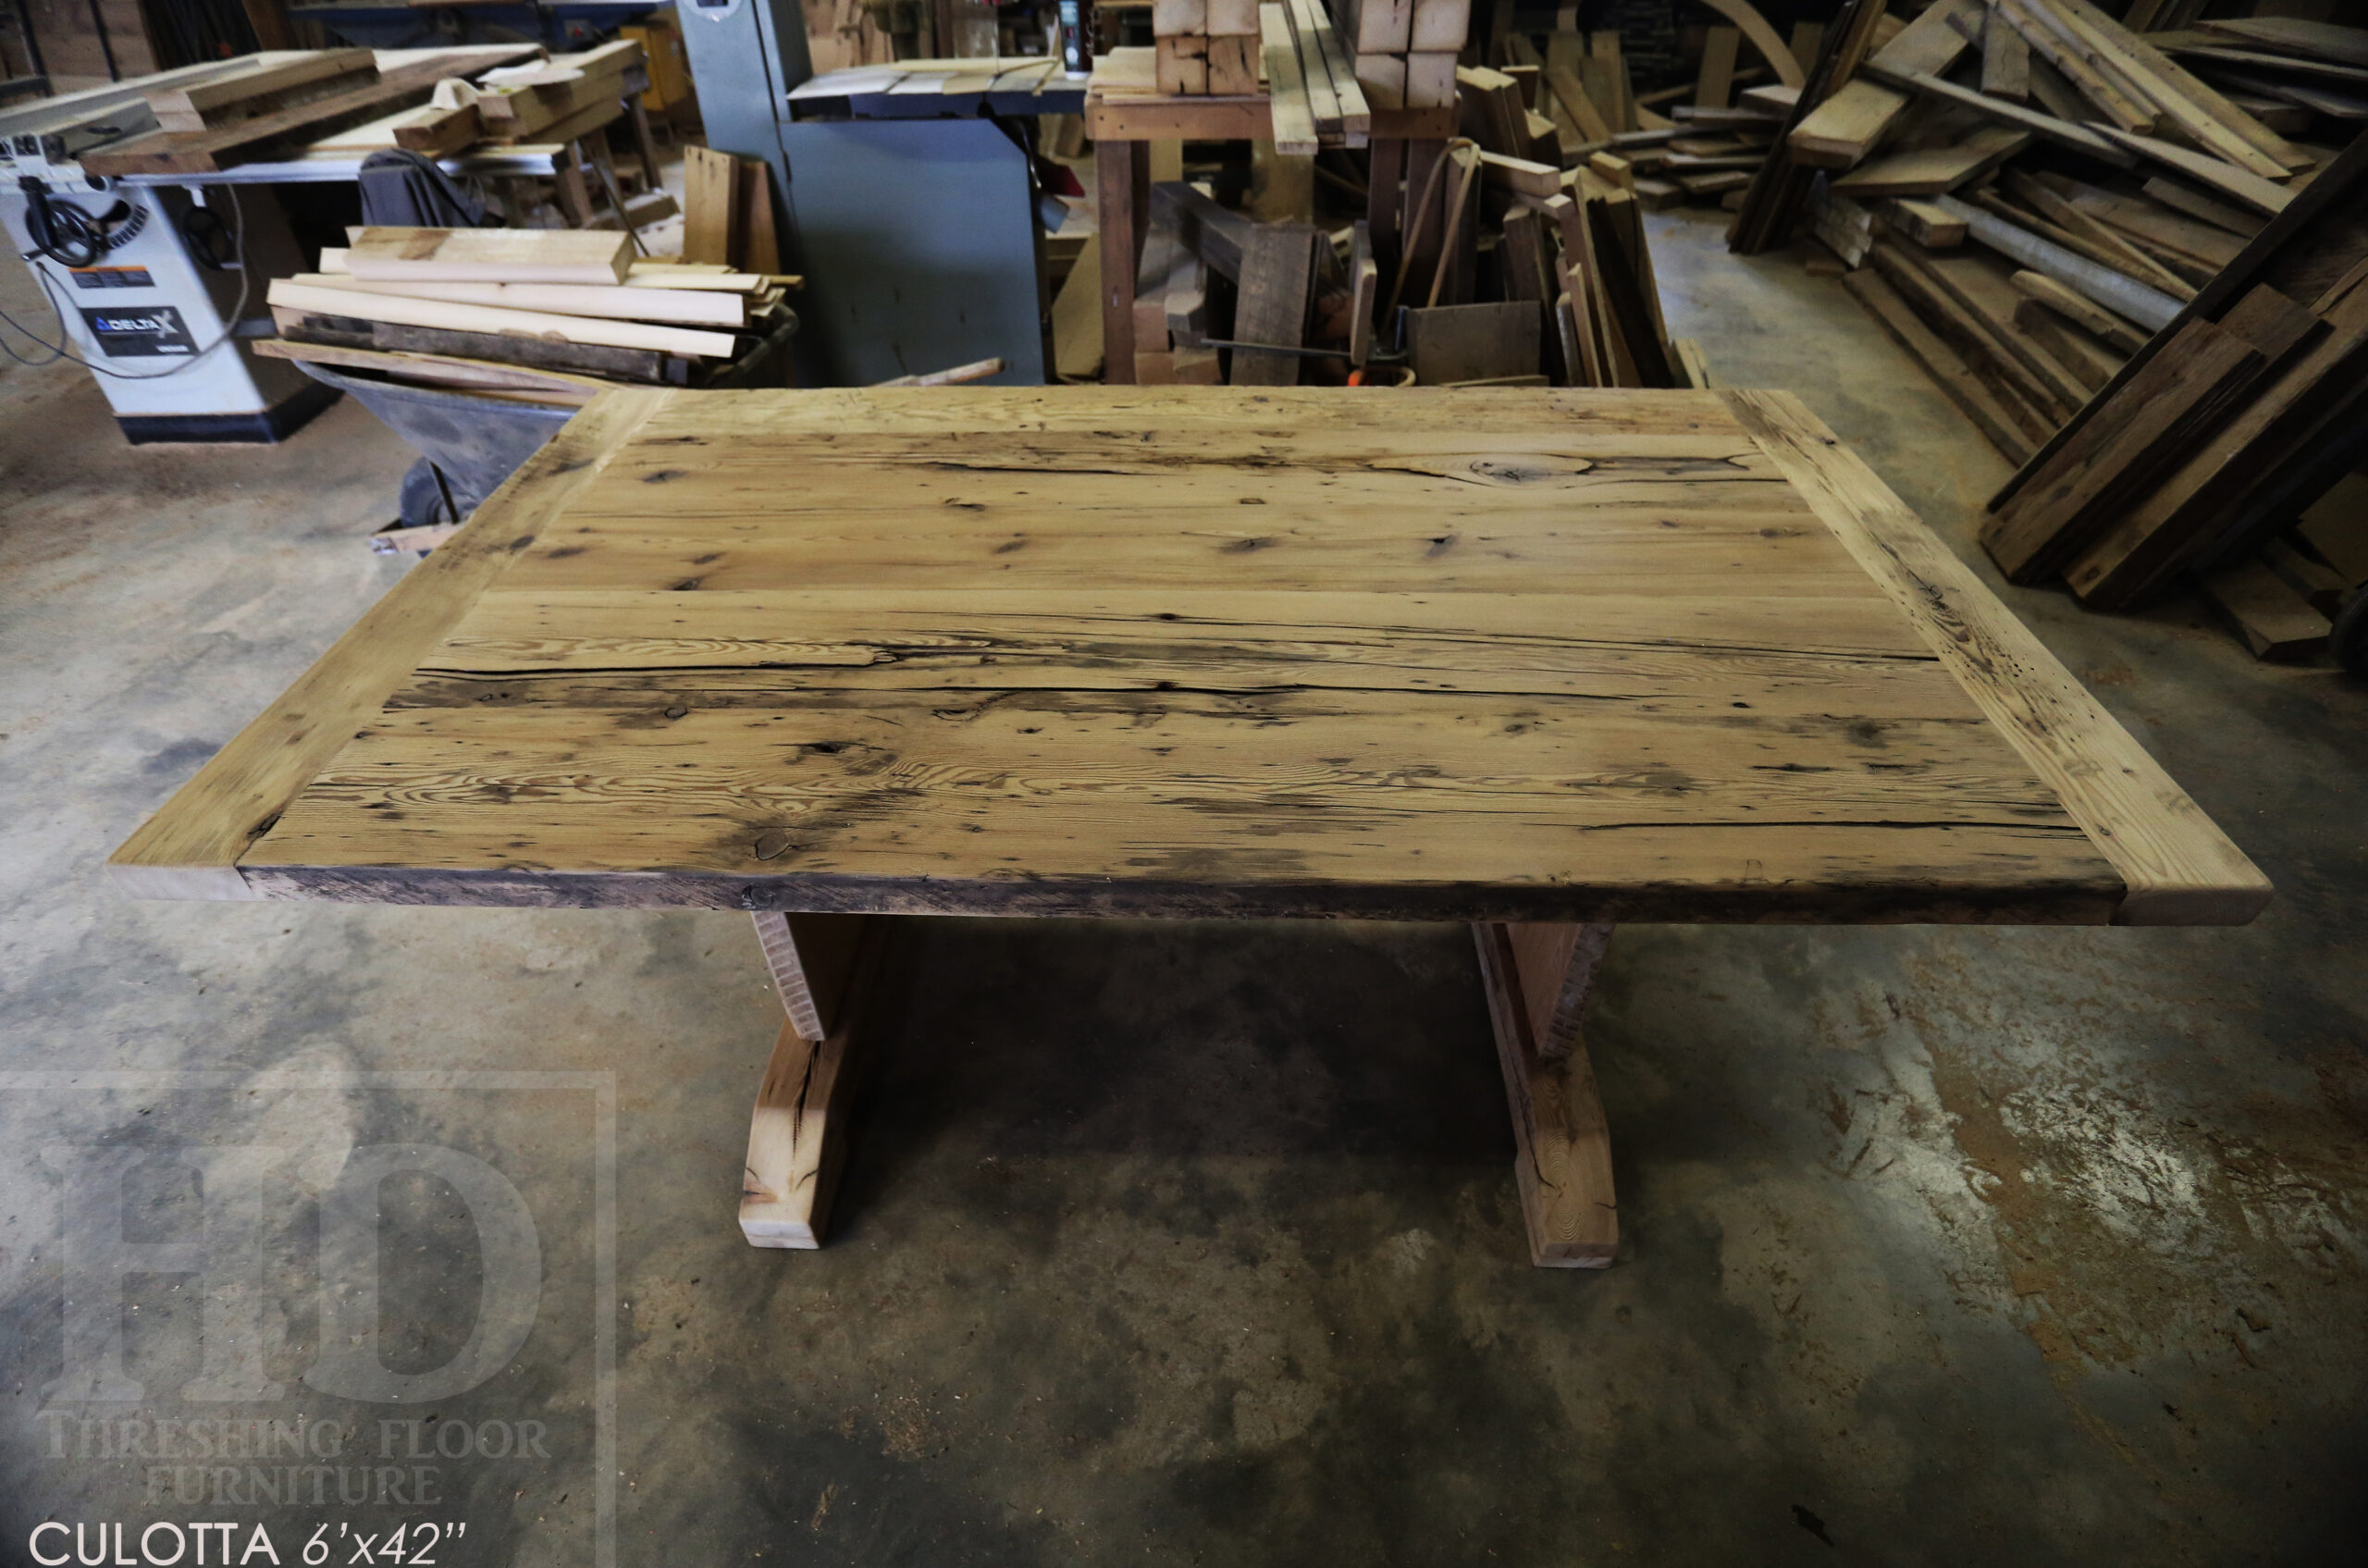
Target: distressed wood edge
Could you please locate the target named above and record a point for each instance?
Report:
(190, 846)
(2089, 899)
(1562, 1146)
(812, 958)
(2176, 867)
(216, 883)
(1555, 963)
(798, 1138)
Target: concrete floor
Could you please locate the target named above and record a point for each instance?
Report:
(1173, 1243)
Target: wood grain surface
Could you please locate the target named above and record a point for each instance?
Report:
(1431, 654)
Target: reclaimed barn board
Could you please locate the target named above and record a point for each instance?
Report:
(1584, 655)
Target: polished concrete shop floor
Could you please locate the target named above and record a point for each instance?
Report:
(1161, 1243)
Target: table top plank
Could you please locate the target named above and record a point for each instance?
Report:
(1405, 654)
(2181, 868)
(1010, 794)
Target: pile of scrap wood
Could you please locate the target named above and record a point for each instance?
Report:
(2135, 260)
(2201, 452)
(2025, 191)
(1472, 268)
(2051, 86)
(263, 107)
(525, 314)
(1705, 147)
(2318, 68)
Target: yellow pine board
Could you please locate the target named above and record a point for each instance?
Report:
(489, 256)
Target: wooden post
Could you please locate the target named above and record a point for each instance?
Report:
(575, 199)
(1384, 202)
(711, 220)
(1562, 1148)
(645, 146)
(1278, 280)
(1420, 235)
(821, 966)
(1122, 194)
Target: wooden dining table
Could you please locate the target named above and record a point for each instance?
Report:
(1540, 661)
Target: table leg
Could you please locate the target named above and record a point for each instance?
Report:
(1538, 977)
(1122, 195)
(821, 965)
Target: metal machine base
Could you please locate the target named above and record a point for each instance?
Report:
(270, 424)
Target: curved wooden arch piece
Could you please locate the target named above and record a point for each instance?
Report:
(1763, 38)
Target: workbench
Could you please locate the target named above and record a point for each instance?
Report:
(1540, 661)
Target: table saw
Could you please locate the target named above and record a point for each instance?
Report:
(152, 280)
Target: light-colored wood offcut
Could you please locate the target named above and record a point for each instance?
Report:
(489, 256)
(1551, 656)
(682, 307)
(797, 1141)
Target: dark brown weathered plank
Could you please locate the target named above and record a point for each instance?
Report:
(1277, 282)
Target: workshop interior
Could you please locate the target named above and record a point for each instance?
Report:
(1269, 782)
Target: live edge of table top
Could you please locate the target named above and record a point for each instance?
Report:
(1421, 654)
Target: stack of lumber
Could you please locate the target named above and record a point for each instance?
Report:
(275, 105)
(1206, 47)
(555, 100)
(1298, 70)
(1403, 51)
(261, 85)
(2220, 430)
(541, 315)
(1311, 78)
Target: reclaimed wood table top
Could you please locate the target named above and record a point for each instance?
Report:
(1527, 655)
